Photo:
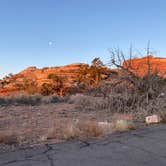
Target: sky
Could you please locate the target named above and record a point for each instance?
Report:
(57, 32)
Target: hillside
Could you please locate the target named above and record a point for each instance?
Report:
(140, 65)
(58, 80)
(39, 76)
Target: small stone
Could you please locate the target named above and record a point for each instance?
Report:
(152, 119)
(105, 126)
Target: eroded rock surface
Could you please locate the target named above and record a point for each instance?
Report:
(142, 65)
(68, 73)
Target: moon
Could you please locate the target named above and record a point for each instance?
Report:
(51, 43)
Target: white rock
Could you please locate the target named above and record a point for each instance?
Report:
(104, 123)
(106, 126)
(162, 94)
(152, 119)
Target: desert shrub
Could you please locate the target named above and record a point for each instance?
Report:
(66, 98)
(103, 89)
(122, 122)
(91, 129)
(113, 102)
(47, 89)
(89, 76)
(83, 102)
(123, 125)
(2, 101)
(51, 99)
(32, 100)
(75, 98)
(128, 100)
(78, 88)
(26, 99)
(9, 137)
(163, 116)
(99, 104)
(68, 130)
(144, 78)
(56, 99)
(128, 90)
(30, 86)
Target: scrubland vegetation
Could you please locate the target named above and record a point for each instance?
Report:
(125, 96)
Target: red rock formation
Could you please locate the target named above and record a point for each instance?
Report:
(140, 65)
(68, 73)
(40, 76)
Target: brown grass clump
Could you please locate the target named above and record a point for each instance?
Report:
(30, 100)
(163, 117)
(8, 137)
(91, 129)
(123, 125)
(55, 130)
(79, 129)
(123, 122)
(83, 130)
(71, 130)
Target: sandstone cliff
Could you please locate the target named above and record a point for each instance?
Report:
(40, 76)
(141, 65)
(14, 84)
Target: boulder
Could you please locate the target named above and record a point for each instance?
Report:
(152, 119)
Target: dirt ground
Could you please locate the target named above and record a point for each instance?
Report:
(32, 123)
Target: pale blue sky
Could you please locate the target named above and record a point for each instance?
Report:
(79, 30)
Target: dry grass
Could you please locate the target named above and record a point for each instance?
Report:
(51, 122)
(123, 122)
(126, 101)
(71, 130)
(123, 125)
(31, 100)
(91, 129)
(163, 117)
(98, 109)
(56, 129)
(79, 129)
(9, 137)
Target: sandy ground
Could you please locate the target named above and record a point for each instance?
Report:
(31, 123)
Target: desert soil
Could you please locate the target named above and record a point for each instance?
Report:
(32, 123)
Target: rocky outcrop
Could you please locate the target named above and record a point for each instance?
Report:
(67, 73)
(141, 65)
(13, 84)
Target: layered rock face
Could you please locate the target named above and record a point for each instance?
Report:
(148, 63)
(68, 73)
(40, 76)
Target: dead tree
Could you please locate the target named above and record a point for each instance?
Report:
(147, 84)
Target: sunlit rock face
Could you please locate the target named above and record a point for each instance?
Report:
(40, 76)
(12, 84)
(148, 63)
(67, 72)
